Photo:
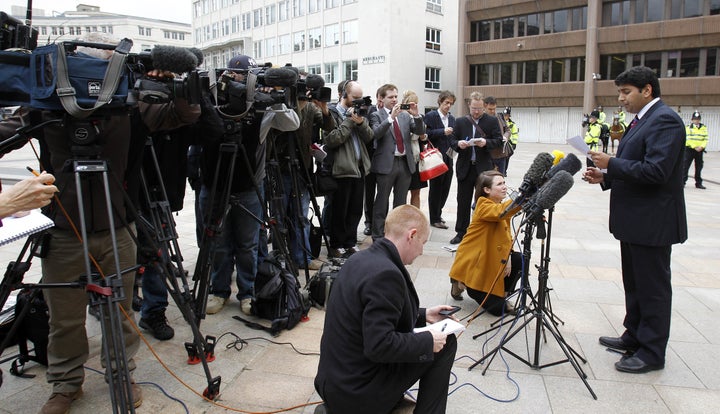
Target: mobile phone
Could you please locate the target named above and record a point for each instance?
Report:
(405, 106)
(448, 312)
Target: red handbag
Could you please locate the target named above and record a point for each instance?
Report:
(431, 163)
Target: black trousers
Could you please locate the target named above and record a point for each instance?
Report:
(370, 183)
(690, 156)
(439, 192)
(648, 299)
(397, 378)
(495, 304)
(346, 210)
(465, 191)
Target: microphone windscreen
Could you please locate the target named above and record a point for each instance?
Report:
(313, 81)
(174, 59)
(554, 190)
(539, 167)
(198, 55)
(571, 163)
(559, 155)
(280, 77)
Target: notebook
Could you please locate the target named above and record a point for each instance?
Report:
(16, 228)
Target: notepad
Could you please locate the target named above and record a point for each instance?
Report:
(447, 326)
(16, 228)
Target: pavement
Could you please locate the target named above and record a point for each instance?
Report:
(266, 374)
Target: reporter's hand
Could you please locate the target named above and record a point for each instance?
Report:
(593, 175)
(160, 74)
(439, 339)
(463, 144)
(600, 159)
(28, 194)
(433, 315)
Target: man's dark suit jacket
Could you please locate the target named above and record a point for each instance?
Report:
(384, 156)
(371, 313)
(647, 204)
(436, 132)
(464, 130)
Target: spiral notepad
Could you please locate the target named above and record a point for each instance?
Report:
(16, 228)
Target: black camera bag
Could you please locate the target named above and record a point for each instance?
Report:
(320, 284)
(34, 327)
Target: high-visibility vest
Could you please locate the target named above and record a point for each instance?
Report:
(514, 131)
(592, 136)
(696, 136)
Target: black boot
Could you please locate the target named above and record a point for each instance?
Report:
(157, 324)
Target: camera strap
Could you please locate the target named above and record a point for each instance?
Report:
(113, 74)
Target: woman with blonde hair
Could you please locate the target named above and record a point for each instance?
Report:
(418, 145)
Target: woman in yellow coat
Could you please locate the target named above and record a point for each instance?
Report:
(482, 256)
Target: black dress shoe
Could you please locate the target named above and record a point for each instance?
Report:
(617, 343)
(700, 186)
(367, 231)
(635, 365)
(456, 240)
(440, 225)
(333, 253)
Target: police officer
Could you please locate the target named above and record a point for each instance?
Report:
(695, 143)
(621, 115)
(592, 136)
(514, 132)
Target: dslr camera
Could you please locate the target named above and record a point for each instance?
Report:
(362, 105)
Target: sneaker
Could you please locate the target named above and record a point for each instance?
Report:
(315, 264)
(157, 324)
(246, 306)
(215, 304)
(59, 402)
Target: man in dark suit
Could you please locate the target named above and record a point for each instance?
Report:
(392, 162)
(474, 136)
(369, 354)
(440, 123)
(647, 215)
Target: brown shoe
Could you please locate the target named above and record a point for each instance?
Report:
(136, 395)
(59, 402)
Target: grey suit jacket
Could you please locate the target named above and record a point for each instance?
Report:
(384, 155)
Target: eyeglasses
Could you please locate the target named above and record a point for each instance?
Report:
(476, 109)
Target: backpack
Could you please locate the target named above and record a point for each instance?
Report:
(277, 296)
(33, 327)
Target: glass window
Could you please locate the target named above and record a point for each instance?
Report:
(690, 63)
(299, 41)
(257, 17)
(329, 4)
(522, 26)
(557, 68)
(653, 61)
(508, 28)
(560, 18)
(331, 72)
(673, 61)
(298, 8)
(548, 23)
(284, 44)
(270, 47)
(350, 69)
(533, 24)
(314, 70)
(675, 9)
(506, 73)
(711, 66)
(655, 11)
(234, 24)
(257, 49)
(714, 7)
(350, 31)
(332, 34)
(314, 6)
(496, 29)
(640, 6)
(314, 38)
(531, 72)
(283, 10)
(270, 14)
(432, 39)
(579, 18)
(247, 21)
(485, 31)
(434, 6)
(693, 8)
(432, 78)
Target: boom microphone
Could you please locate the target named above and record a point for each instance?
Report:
(313, 81)
(532, 181)
(571, 163)
(173, 59)
(280, 77)
(548, 195)
(198, 55)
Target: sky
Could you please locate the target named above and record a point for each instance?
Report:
(180, 11)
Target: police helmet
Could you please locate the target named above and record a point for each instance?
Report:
(696, 115)
(595, 114)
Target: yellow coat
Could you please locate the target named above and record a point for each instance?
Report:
(485, 248)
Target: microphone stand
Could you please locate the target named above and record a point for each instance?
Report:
(539, 314)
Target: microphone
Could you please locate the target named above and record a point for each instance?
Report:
(173, 59)
(198, 55)
(313, 81)
(559, 155)
(548, 195)
(532, 180)
(280, 77)
(571, 163)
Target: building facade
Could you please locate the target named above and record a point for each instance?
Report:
(144, 32)
(552, 61)
(411, 43)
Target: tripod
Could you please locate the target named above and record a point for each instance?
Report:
(538, 313)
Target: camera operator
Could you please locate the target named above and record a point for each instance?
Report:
(63, 257)
(313, 114)
(349, 160)
(240, 237)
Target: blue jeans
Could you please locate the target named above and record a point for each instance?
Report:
(298, 244)
(237, 245)
(154, 292)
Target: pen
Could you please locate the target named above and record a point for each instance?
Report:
(35, 173)
(443, 328)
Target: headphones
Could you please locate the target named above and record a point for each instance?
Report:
(346, 84)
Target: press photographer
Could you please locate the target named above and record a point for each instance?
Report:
(62, 142)
(241, 122)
